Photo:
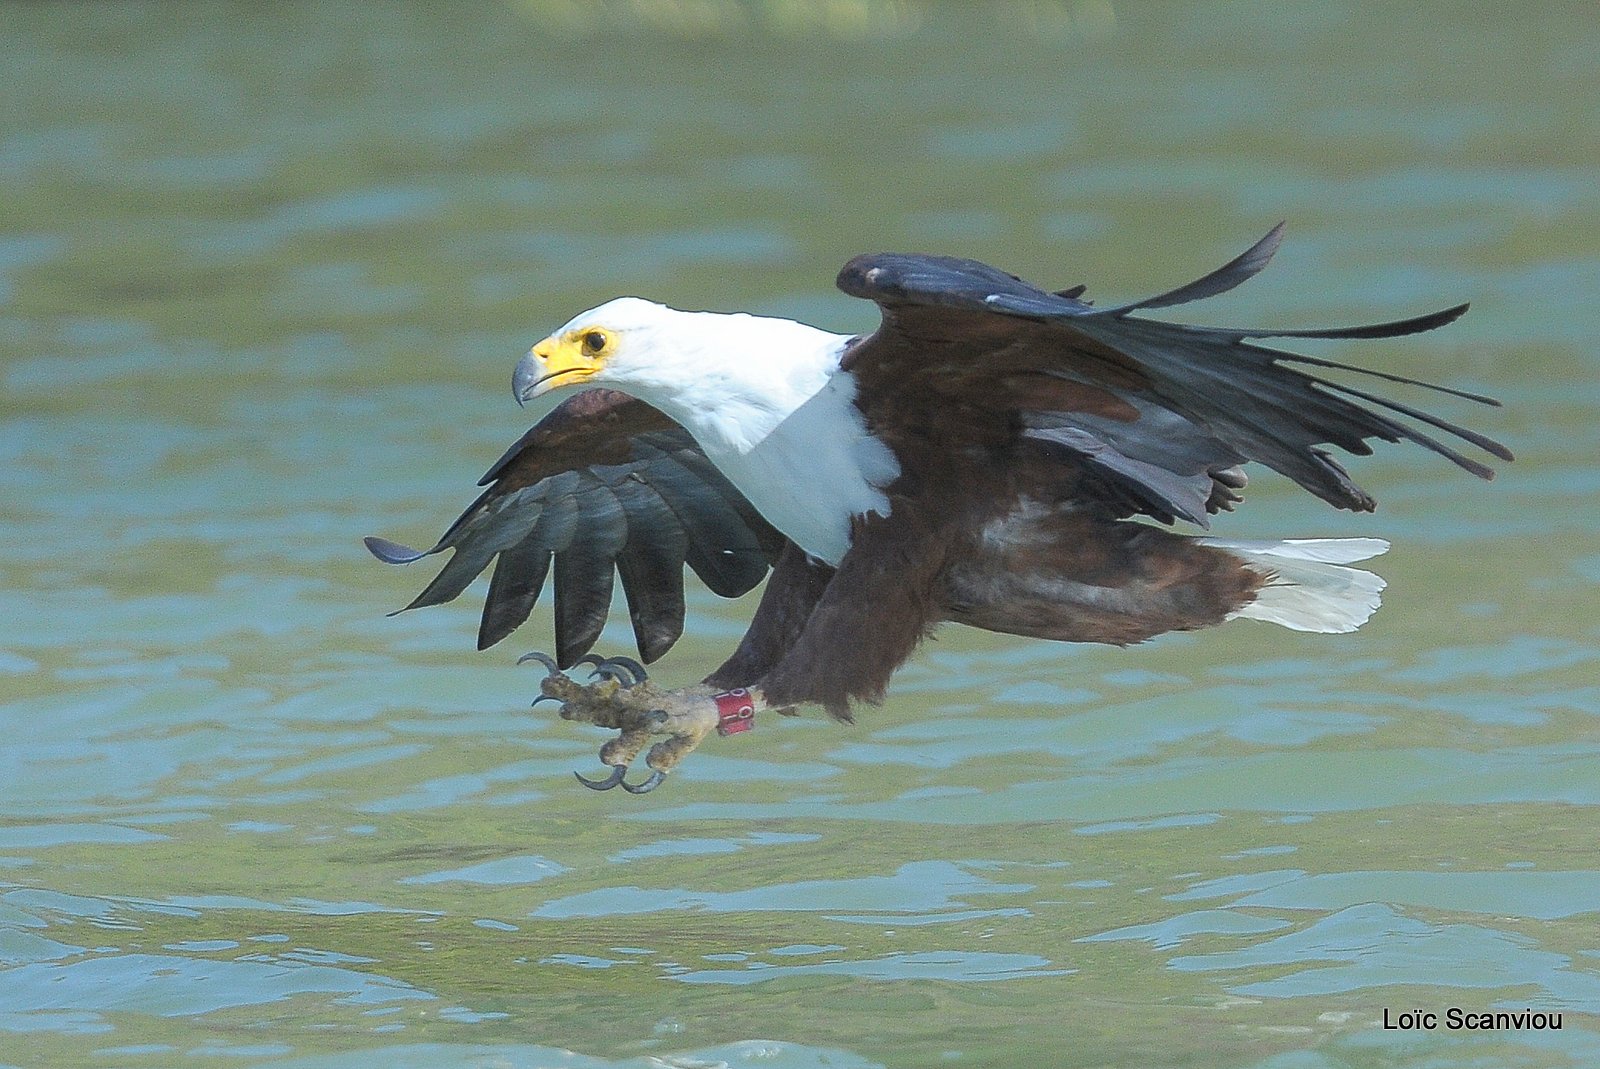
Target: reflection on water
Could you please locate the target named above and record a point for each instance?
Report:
(263, 275)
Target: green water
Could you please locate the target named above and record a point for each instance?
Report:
(264, 273)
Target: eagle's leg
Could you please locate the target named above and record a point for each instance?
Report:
(625, 700)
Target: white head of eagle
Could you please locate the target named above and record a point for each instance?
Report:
(764, 398)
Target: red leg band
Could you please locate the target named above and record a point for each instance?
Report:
(736, 711)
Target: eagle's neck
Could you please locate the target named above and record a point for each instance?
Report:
(767, 402)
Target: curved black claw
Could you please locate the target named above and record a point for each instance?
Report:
(617, 772)
(601, 670)
(651, 782)
(544, 698)
(543, 658)
(639, 674)
(625, 670)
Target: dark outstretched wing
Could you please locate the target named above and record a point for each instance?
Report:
(1162, 412)
(604, 482)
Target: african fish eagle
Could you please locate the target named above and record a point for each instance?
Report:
(989, 455)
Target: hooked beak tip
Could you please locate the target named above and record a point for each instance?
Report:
(525, 379)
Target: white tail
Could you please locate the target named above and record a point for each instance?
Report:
(1308, 588)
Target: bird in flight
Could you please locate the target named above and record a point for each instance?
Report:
(993, 454)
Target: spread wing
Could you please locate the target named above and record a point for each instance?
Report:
(1162, 412)
(603, 484)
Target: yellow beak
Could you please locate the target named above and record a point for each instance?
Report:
(550, 365)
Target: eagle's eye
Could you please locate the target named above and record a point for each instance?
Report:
(594, 341)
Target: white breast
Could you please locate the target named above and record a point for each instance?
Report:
(814, 470)
(767, 402)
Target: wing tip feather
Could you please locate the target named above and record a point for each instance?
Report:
(391, 552)
(1240, 269)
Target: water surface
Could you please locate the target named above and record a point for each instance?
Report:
(264, 272)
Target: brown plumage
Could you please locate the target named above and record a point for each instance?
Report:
(1036, 437)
